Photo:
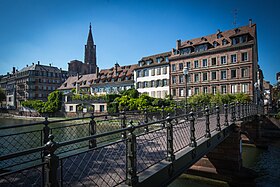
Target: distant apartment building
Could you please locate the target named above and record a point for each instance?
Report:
(114, 80)
(152, 75)
(32, 82)
(267, 92)
(225, 62)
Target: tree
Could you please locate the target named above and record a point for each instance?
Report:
(54, 102)
(2, 95)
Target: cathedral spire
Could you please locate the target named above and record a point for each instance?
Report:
(90, 38)
(90, 52)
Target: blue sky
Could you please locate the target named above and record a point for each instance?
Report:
(55, 31)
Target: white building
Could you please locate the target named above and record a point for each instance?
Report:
(152, 75)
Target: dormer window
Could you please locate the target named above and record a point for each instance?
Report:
(236, 30)
(224, 42)
(158, 60)
(149, 62)
(215, 44)
(189, 42)
(85, 82)
(200, 48)
(185, 51)
(65, 84)
(219, 35)
(166, 59)
(74, 83)
(203, 39)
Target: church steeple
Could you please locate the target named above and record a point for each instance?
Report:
(90, 52)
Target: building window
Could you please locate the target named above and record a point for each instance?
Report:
(164, 82)
(205, 90)
(223, 74)
(214, 90)
(213, 61)
(223, 89)
(234, 88)
(181, 92)
(223, 59)
(102, 108)
(145, 85)
(201, 48)
(146, 73)
(204, 62)
(189, 65)
(166, 59)
(173, 67)
(196, 64)
(213, 75)
(165, 70)
(244, 72)
(181, 78)
(173, 79)
(233, 58)
(181, 66)
(70, 108)
(204, 76)
(158, 94)
(224, 42)
(245, 88)
(196, 90)
(152, 93)
(153, 71)
(233, 73)
(153, 83)
(244, 56)
(158, 60)
(196, 77)
(158, 71)
(174, 92)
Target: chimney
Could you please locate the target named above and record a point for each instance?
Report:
(26, 65)
(50, 64)
(38, 62)
(218, 31)
(14, 70)
(178, 44)
(116, 68)
(32, 63)
(250, 22)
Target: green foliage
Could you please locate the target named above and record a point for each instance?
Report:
(2, 95)
(277, 116)
(51, 106)
(88, 97)
(218, 98)
(132, 93)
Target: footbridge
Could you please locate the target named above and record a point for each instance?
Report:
(125, 149)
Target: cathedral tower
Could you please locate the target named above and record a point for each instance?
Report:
(90, 52)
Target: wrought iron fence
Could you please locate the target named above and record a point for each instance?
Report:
(129, 149)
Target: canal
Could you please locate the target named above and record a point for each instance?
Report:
(265, 162)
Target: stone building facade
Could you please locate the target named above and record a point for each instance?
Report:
(225, 62)
(152, 75)
(32, 82)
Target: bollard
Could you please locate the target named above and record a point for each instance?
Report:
(46, 131)
(170, 150)
(192, 130)
(207, 123)
(218, 128)
(52, 163)
(131, 170)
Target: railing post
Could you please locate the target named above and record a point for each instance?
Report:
(131, 173)
(146, 129)
(238, 110)
(242, 110)
(170, 150)
(46, 131)
(192, 130)
(162, 117)
(218, 118)
(232, 112)
(207, 123)
(52, 163)
(123, 124)
(226, 115)
(92, 131)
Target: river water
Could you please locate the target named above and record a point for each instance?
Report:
(265, 162)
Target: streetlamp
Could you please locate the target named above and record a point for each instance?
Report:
(185, 72)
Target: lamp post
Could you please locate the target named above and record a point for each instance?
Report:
(185, 72)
